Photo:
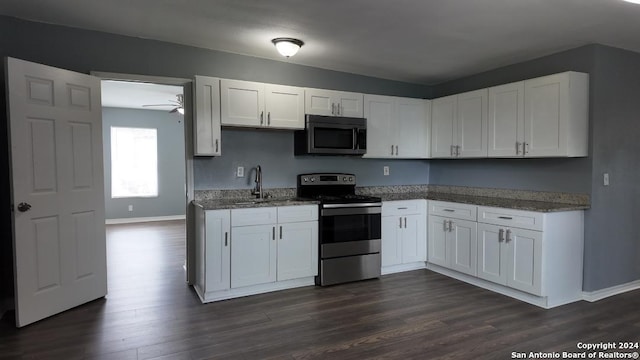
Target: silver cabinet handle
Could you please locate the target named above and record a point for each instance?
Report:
(505, 217)
(402, 208)
(501, 235)
(391, 149)
(396, 149)
(269, 118)
(445, 226)
(226, 238)
(261, 117)
(525, 148)
(405, 222)
(339, 106)
(457, 150)
(400, 222)
(450, 226)
(448, 210)
(517, 148)
(451, 150)
(273, 233)
(280, 232)
(508, 235)
(333, 109)
(216, 145)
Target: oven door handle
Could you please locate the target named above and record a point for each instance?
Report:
(351, 211)
(355, 205)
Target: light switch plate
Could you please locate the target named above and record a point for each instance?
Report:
(385, 170)
(240, 171)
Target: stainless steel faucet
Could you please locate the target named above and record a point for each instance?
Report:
(257, 191)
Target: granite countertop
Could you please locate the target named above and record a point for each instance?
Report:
(243, 203)
(508, 203)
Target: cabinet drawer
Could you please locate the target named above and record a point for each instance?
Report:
(453, 210)
(290, 214)
(404, 207)
(508, 217)
(254, 216)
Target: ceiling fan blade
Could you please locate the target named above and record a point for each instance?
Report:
(158, 105)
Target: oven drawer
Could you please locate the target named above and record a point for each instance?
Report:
(349, 268)
(453, 210)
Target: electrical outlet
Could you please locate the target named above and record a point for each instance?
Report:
(385, 170)
(130, 207)
(605, 179)
(240, 171)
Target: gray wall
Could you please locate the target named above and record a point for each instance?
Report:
(273, 151)
(612, 246)
(171, 163)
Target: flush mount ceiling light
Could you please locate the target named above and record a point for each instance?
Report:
(287, 46)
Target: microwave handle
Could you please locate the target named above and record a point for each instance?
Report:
(355, 138)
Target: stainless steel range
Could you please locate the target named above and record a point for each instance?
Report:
(349, 225)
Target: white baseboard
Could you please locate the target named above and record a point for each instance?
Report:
(144, 219)
(593, 296)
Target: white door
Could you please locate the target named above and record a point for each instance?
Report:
(414, 239)
(414, 127)
(349, 104)
(285, 106)
(463, 247)
(545, 124)
(297, 250)
(443, 126)
(217, 263)
(242, 103)
(438, 235)
(524, 260)
(492, 262)
(506, 120)
(472, 123)
(207, 136)
(55, 121)
(319, 102)
(253, 255)
(391, 252)
(379, 112)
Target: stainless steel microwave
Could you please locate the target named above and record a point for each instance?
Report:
(331, 135)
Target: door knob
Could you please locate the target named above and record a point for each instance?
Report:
(22, 207)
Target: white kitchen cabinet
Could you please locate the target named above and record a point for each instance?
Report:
(207, 135)
(333, 103)
(297, 250)
(397, 127)
(213, 266)
(259, 105)
(253, 255)
(404, 236)
(541, 117)
(453, 243)
(459, 125)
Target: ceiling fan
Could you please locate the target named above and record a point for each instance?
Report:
(177, 105)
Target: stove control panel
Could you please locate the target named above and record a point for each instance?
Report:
(326, 179)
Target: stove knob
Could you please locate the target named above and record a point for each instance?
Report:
(344, 179)
(313, 179)
(350, 178)
(305, 179)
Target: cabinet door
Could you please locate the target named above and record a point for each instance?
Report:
(545, 120)
(217, 261)
(253, 255)
(472, 123)
(438, 248)
(348, 104)
(413, 128)
(242, 103)
(414, 238)
(464, 246)
(297, 250)
(524, 260)
(506, 120)
(380, 114)
(284, 106)
(492, 257)
(391, 251)
(443, 126)
(206, 137)
(318, 102)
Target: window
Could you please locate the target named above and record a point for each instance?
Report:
(134, 162)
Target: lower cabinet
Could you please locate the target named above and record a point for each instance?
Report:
(511, 257)
(452, 243)
(248, 251)
(404, 244)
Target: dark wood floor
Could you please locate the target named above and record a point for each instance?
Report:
(151, 314)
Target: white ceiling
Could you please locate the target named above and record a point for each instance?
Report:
(420, 41)
(135, 95)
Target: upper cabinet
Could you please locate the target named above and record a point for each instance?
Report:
(397, 127)
(259, 105)
(207, 116)
(459, 125)
(333, 103)
(541, 117)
